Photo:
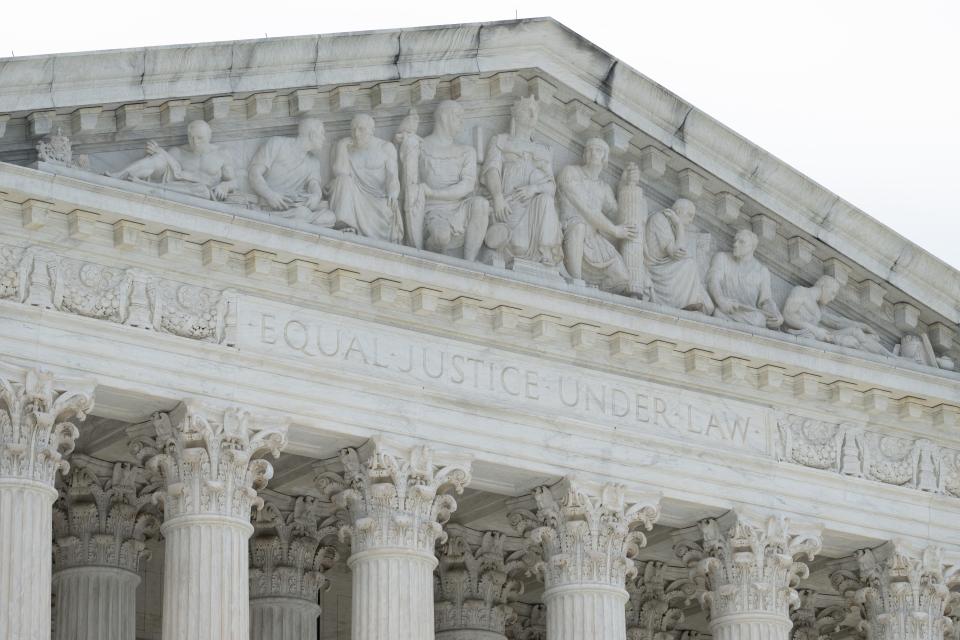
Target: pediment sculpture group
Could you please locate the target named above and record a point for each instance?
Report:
(431, 193)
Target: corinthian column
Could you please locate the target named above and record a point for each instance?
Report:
(35, 435)
(475, 581)
(100, 526)
(288, 559)
(582, 542)
(747, 571)
(211, 476)
(901, 592)
(657, 597)
(395, 507)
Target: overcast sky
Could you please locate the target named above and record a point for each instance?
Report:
(863, 97)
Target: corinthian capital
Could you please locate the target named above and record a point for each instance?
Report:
(657, 597)
(104, 516)
(394, 496)
(477, 577)
(36, 430)
(208, 459)
(745, 563)
(582, 534)
(289, 550)
(901, 592)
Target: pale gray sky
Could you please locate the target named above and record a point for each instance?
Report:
(863, 97)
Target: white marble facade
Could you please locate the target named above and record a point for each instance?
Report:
(467, 333)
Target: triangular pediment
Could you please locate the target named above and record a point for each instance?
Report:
(110, 104)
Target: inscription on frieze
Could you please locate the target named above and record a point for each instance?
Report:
(501, 379)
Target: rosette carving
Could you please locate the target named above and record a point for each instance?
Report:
(745, 565)
(288, 551)
(208, 459)
(36, 428)
(657, 597)
(103, 520)
(475, 581)
(577, 536)
(394, 498)
(900, 592)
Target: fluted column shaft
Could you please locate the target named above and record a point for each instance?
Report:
(392, 595)
(751, 626)
(205, 583)
(208, 460)
(395, 500)
(581, 612)
(95, 603)
(26, 532)
(283, 619)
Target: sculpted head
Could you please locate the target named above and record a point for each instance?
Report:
(198, 134)
(596, 152)
(311, 132)
(449, 117)
(744, 244)
(828, 287)
(362, 127)
(526, 113)
(685, 209)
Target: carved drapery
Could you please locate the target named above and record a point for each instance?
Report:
(475, 581)
(657, 598)
(901, 592)
(582, 542)
(747, 571)
(289, 556)
(211, 474)
(36, 433)
(394, 506)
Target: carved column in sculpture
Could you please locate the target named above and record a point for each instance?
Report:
(395, 505)
(476, 578)
(101, 523)
(288, 559)
(582, 542)
(902, 593)
(747, 569)
(211, 475)
(35, 435)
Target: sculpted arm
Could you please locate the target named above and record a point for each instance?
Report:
(492, 179)
(255, 175)
(463, 187)
(341, 158)
(393, 172)
(591, 212)
(797, 316)
(228, 180)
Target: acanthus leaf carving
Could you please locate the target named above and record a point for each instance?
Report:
(291, 548)
(37, 430)
(104, 520)
(395, 497)
(208, 459)
(578, 535)
(657, 597)
(476, 580)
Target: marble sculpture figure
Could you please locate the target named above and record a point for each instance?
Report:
(673, 270)
(587, 204)
(805, 314)
(365, 190)
(198, 168)
(454, 216)
(285, 174)
(518, 173)
(740, 285)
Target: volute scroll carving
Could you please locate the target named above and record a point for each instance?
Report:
(37, 429)
(395, 497)
(209, 459)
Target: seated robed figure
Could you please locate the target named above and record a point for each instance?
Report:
(740, 285)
